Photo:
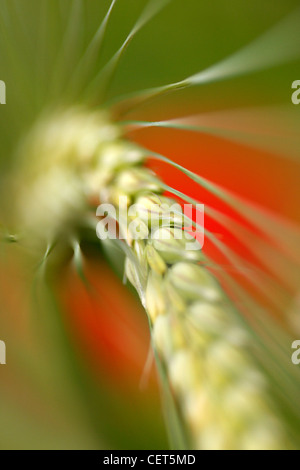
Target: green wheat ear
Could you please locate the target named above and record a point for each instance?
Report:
(226, 384)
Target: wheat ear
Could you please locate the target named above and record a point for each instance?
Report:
(222, 396)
